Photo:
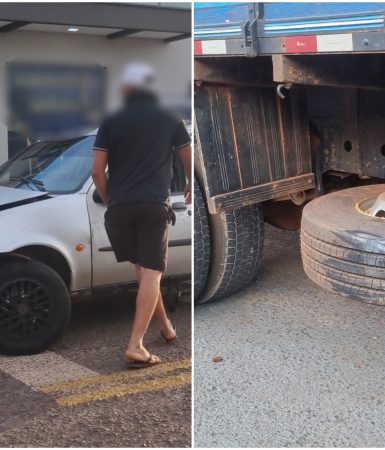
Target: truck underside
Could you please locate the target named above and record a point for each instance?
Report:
(275, 132)
(258, 146)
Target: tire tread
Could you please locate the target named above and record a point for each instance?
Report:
(348, 263)
(244, 234)
(202, 249)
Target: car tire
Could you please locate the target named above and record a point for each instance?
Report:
(236, 251)
(34, 307)
(343, 249)
(202, 249)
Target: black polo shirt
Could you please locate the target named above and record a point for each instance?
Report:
(140, 139)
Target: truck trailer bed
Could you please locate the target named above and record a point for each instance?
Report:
(251, 29)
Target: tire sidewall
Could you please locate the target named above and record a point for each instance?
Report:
(336, 217)
(59, 299)
(343, 249)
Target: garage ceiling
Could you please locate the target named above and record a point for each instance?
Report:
(94, 31)
(113, 20)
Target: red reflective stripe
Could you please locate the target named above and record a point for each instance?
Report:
(197, 47)
(300, 44)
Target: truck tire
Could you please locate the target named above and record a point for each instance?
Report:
(236, 251)
(343, 248)
(201, 242)
(34, 307)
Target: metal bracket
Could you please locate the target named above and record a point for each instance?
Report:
(250, 31)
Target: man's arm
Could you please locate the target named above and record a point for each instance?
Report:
(99, 166)
(185, 157)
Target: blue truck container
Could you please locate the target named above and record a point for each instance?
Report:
(290, 106)
(273, 28)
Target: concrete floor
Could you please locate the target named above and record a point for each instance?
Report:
(301, 367)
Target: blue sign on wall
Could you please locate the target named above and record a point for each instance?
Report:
(50, 101)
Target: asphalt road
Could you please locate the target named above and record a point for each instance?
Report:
(79, 394)
(301, 367)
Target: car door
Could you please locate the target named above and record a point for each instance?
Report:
(179, 250)
(105, 269)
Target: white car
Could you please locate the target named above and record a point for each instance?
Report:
(53, 242)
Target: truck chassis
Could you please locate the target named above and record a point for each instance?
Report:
(280, 121)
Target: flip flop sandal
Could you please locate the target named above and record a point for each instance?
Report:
(169, 339)
(138, 364)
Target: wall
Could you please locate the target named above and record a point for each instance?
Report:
(172, 62)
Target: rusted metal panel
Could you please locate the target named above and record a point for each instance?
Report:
(249, 137)
(371, 125)
(333, 114)
(341, 70)
(350, 124)
(260, 193)
(234, 71)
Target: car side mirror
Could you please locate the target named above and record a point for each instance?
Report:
(96, 197)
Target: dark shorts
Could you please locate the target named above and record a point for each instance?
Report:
(138, 233)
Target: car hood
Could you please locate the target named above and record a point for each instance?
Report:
(11, 197)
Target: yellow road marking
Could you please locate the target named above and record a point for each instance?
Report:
(126, 389)
(117, 376)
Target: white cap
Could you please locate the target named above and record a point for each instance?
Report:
(137, 75)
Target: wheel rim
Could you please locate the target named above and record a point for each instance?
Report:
(373, 207)
(24, 310)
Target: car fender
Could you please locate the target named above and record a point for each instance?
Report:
(58, 222)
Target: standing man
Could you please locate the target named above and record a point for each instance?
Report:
(137, 143)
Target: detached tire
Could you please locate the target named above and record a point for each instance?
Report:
(34, 307)
(236, 251)
(201, 242)
(343, 249)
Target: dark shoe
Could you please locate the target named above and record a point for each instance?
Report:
(140, 364)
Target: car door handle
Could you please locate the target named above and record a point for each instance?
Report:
(179, 205)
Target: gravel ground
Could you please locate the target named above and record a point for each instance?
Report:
(301, 367)
(95, 344)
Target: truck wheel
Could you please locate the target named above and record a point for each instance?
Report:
(343, 243)
(236, 251)
(201, 242)
(34, 307)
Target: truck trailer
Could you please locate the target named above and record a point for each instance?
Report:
(290, 131)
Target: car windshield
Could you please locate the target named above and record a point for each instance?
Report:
(56, 167)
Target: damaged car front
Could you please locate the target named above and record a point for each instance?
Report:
(43, 218)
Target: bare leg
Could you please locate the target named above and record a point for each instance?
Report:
(160, 312)
(164, 322)
(146, 301)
